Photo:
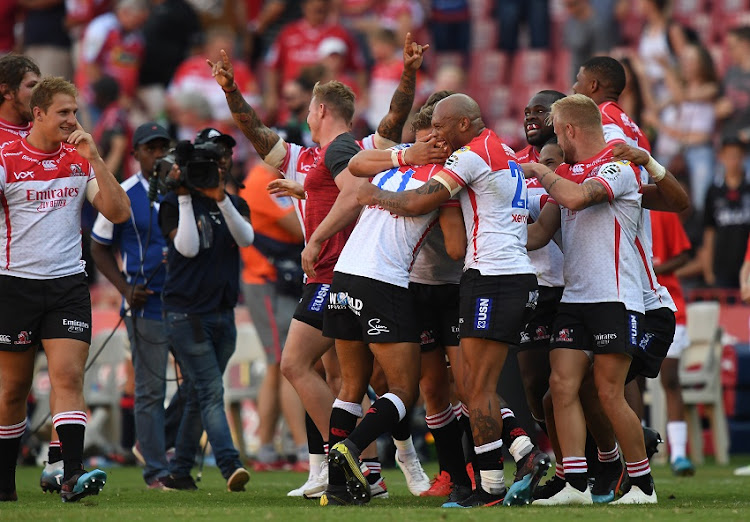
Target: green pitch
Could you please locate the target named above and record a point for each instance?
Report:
(713, 494)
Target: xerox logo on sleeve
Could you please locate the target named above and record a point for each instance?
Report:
(482, 313)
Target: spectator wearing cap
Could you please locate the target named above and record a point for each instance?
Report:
(297, 47)
(139, 246)
(332, 53)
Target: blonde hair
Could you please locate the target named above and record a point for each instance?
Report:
(337, 97)
(45, 90)
(577, 110)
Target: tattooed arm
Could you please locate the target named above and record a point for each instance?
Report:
(567, 193)
(263, 139)
(414, 202)
(391, 126)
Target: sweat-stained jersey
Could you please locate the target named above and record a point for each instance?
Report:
(41, 196)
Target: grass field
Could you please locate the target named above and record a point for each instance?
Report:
(713, 494)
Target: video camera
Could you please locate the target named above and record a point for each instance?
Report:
(199, 167)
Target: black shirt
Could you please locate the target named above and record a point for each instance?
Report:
(171, 30)
(727, 211)
(46, 26)
(209, 281)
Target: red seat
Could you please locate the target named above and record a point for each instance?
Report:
(530, 66)
(561, 78)
(488, 68)
(484, 35)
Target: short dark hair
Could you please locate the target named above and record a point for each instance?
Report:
(742, 32)
(436, 97)
(13, 67)
(608, 72)
(551, 141)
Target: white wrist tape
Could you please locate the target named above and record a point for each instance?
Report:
(394, 158)
(656, 170)
(276, 155)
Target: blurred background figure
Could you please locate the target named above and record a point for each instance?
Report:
(171, 31)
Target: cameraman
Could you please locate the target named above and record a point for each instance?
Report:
(204, 228)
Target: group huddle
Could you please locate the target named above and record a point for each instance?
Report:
(457, 247)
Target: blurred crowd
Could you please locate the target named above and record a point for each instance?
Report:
(688, 63)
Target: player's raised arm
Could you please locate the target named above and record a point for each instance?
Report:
(391, 126)
(266, 142)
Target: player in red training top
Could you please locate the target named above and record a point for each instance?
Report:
(43, 292)
(18, 76)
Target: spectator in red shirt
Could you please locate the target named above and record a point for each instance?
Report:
(9, 14)
(113, 131)
(671, 248)
(193, 76)
(113, 44)
(297, 47)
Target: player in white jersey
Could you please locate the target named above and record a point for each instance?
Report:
(603, 79)
(18, 76)
(498, 282)
(305, 344)
(43, 293)
(602, 304)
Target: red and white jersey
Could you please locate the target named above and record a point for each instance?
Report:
(493, 201)
(601, 263)
(116, 52)
(298, 162)
(296, 47)
(618, 126)
(10, 132)
(41, 195)
(194, 76)
(383, 246)
(528, 154)
(548, 260)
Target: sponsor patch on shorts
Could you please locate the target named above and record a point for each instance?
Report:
(319, 298)
(482, 313)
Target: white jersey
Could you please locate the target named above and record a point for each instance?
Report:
(655, 295)
(384, 246)
(433, 265)
(601, 262)
(41, 195)
(493, 201)
(548, 260)
(298, 162)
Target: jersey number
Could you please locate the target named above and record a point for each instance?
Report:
(518, 199)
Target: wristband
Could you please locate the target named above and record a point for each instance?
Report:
(401, 158)
(656, 170)
(230, 90)
(394, 158)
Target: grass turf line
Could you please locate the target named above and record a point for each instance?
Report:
(713, 494)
